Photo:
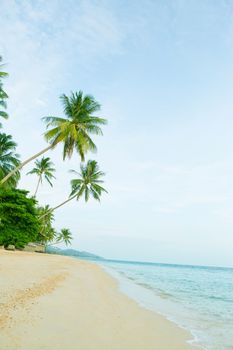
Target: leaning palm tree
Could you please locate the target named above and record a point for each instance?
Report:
(8, 159)
(88, 184)
(74, 130)
(3, 94)
(43, 168)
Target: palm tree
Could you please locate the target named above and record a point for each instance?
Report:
(74, 130)
(47, 231)
(88, 184)
(8, 158)
(3, 94)
(64, 236)
(44, 168)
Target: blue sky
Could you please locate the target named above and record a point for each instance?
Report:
(163, 72)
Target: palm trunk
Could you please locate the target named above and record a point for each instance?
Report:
(24, 163)
(37, 186)
(58, 206)
(53, 243)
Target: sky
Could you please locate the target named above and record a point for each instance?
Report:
(163, 73)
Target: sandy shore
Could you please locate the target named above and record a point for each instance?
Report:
(50, 302)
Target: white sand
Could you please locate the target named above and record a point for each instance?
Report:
(51, 302)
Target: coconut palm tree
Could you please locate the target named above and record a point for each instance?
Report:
(88, 184)
(64, 236)
(43, 168)
(3, 94)
(8, 159)
(47, 231)
(74, 130)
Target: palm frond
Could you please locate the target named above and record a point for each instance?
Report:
(74, 131)
(9, 159)
(88, 182)
(44, 169)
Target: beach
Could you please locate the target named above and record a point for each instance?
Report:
(54, 302)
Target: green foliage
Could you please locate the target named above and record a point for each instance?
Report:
(19, 223)
(43, 168)
(89, 182)
(74, 131)
(48, 234)
(3, 94)
(64, 236)
(8, 159)
(47, 231)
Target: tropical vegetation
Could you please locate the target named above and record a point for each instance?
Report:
(74, 131)
(87, 184)
(43, 169)
(64, 236)
(22, 219)
(9, 159)
(19, 224)
(47, 230)
(3, 94)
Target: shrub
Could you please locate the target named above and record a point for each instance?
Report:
(19, 223)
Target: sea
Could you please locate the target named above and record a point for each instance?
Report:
(197, 298)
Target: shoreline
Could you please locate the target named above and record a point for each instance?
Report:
(55, 302)
(146, 299)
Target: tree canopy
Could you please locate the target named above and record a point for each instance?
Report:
(43, 169)
(79, 123)
(19, 222)
(9, 159)
(74, 131)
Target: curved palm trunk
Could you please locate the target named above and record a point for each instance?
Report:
(53, 243)
(20, 166)
(58, 206)
(37, 186)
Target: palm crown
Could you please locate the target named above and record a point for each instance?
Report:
(44, 168)
(64, 236)
(8, 158)
(47, 232)
(3, 94)
(89, 182)
(74, 130)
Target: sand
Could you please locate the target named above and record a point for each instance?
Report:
(51, 302)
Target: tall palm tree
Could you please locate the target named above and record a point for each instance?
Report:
(74, 130)
(44, 168)
(3, 94)
(88, 184)
(8, 159)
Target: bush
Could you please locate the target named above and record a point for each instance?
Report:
(19, 223)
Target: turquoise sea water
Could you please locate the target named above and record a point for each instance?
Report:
(197, 298)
